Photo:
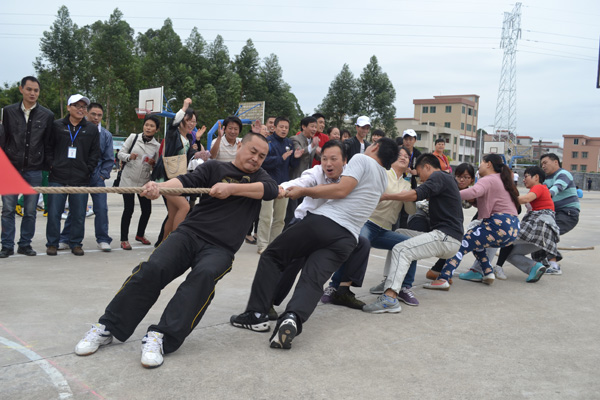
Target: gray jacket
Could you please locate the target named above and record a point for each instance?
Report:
(137, 172)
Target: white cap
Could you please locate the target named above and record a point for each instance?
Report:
(77, 97)
(363, 120)
(409, 132)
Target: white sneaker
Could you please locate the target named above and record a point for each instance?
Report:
(64, 215)
(89, 212)
(63, 246)
(554, 269)
(488, 279)
(104, 246)
(152, 350)
(96, 337)
(499, 273)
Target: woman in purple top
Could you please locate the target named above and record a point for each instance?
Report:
(497, 201)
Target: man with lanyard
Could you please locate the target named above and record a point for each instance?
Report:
(75, 155)
(27, 128)
(101, 173)
(440, 146)
(358, 144)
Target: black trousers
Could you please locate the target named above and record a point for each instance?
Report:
(176, 254)
(129, 205)
(324, 243)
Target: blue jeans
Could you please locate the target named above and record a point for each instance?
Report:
(56, 206)
(100, 208)
(9, 202)
(381, 238)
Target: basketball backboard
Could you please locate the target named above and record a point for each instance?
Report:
(151, 100)
(252, 110)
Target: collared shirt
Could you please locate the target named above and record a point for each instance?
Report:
(309, 178)
(227, 150)
(27, 111)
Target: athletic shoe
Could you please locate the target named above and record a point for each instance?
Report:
(152, 350)
(51, 250)
(89, 212)
(489, 278)
(444, 285)
(272, 314)
(77, 250)
(326, 298)
(143, 240)
(104, 246)
(408, 297)
(125, 245)
(63, 246)
(250, 320)
(27, 250)
(499, 272)
(64, 215)
(536, 273)
(554, 269)
(96, 337)
(282, 337)
(384, 304)
(379, 289)
(45, 213)
(345, 297)
(5, 252)
(471, 275)
(19, 210)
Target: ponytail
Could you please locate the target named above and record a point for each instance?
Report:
(506, 176)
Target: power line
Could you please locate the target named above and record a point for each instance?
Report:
(560, 34)
(556, 55)
(553, 50)
(559, 44)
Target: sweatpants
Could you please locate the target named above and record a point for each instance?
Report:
(420, 245)
(175, 255)
(324, 243)
(517, 255)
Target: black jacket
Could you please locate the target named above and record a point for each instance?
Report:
(172, 146)
(352, 146)
(73, 171)
(27, 144)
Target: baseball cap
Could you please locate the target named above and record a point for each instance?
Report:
(409, 132)
(77, 97)
(363, 120)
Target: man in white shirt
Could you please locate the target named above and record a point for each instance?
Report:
(224, 147)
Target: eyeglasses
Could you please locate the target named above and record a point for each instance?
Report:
(464, 178)
(79, 106)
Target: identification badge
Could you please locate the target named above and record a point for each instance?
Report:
(72, 152)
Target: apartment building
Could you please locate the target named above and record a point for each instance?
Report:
(581, 153)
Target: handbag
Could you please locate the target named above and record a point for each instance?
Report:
(174, 165)
(117, 181)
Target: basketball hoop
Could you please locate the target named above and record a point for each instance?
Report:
(142, 112)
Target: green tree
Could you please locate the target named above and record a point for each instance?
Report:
(10, 94)
(340, 102)
(376, 96)
(60, 55)
(279, 100)
(247, 65)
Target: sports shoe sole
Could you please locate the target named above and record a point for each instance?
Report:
(260, 327)
(394, 310)
(537, 275)
(92, 352)
(487, 280)
(285, 335)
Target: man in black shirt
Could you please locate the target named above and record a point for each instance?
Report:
(446, 218)
(205, 241)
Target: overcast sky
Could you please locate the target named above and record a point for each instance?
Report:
(426, 47)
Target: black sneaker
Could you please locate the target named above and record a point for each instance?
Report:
(5, 252)
(273, 314)
(286, 332)
(249, 320)
(27, 250)
(344, 297)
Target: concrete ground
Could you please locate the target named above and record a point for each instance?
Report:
(511, 340)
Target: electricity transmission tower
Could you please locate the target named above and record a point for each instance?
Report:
(505, 123)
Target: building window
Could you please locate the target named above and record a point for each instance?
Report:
(469, 127)
(432, 124)
(423, 123)
(432, 109)
(448, 109)
(425, 110)
(470, 111)
(446, 124)
(462, 142)
(475, 113)
(583, 168)
(455, 139)
(460, 157)
(463, 109)
(584, 154)
(575, 141)
(462, 126)
(573, 167)
(418, 136)
(575, 154)
(454, 156)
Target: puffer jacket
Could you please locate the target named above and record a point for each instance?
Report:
(27, 144)
(137, 172)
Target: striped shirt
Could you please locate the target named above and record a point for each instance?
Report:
(562, 189)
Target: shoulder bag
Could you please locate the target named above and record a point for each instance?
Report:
(117, 181)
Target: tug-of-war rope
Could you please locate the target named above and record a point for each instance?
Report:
(119, 190)
(163, 191)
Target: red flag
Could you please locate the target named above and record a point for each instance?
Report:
(11, 182)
